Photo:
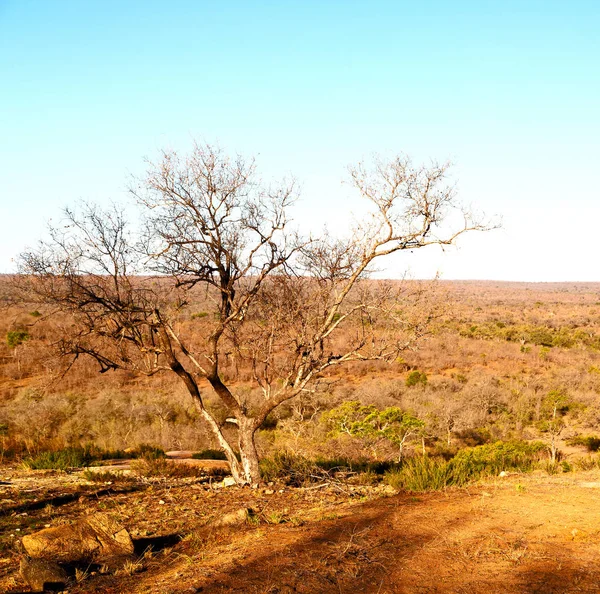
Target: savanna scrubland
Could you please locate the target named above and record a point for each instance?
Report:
(499, 361)
(261, 415)
(505, 380)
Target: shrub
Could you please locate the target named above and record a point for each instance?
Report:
(391, 424)
(106, 477)
(95, 453)
(16, 337)
(551, 467)
(421, 474)
(492, 458)
(588, 463)
(367, 478)
(591, 442)
(80, 457)
(293, 470)
(162, 468)
(566, 467)
(209, 454)
(60, 460)
(430, 474)
(354, 465)
(415, 378)
(148, 452)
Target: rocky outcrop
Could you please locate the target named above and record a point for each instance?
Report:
(43, 575)
(98, 539)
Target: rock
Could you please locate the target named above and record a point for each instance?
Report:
(229, 481)
(97, 538)
(43, 575)
(234, 518)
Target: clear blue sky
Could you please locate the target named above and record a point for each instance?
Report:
(509, 91)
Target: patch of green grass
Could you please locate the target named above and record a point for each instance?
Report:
(80, 457)
(432, 474)
(209, 454)
(162, 468)
(59, 460)
(106, 477)
(422, 474)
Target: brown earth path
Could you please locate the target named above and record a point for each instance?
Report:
(523, 534)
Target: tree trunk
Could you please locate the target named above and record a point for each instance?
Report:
(248, 453)
(236, 470)
(553, 449)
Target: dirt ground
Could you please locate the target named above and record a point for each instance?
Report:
(524, 533)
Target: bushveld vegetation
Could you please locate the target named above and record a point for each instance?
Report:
(477, 391)
(212, 239)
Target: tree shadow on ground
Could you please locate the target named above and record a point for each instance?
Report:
(559, 577)
(351, 554)
(374, 550)
(155, 544)
(65, 498)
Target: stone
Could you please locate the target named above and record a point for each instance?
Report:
(97, 538)
(43, 575)
(229, 481)
(234, 518)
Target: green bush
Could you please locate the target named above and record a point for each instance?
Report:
(148, 452)
(60, 460)
(431, 474)
(209, 455)
(543, 336)
(80, 457)
(492, 458)
(16, 337)
(591, 442)
(415, 378)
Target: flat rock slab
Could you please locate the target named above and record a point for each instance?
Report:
(97, 538)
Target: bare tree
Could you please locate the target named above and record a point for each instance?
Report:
(287, 309)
